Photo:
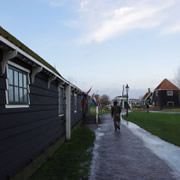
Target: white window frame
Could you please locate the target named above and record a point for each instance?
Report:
(7, 86)
(169, 93)
(60, 114)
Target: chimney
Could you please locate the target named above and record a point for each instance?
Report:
(149, 90)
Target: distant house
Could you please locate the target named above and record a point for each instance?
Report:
(122, 101)
(147, 98)
(166, 94)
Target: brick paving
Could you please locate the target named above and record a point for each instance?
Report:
(123, 156)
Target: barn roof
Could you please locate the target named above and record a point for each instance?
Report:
(145, 96)
(166, 85)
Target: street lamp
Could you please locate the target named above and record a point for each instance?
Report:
(127, 90)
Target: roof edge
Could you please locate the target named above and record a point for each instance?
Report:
(23, 47)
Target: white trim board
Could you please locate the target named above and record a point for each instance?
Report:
(18, 66)
(16, 106)
(34, 60)
(30, 57)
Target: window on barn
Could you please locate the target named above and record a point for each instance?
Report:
(75, 103)
(170, 104)
(18, 86)
(61, 101)
(156, 93)
(169, 93)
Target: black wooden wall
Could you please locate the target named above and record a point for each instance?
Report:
(162, 98)
(78, 115)
(26, 132)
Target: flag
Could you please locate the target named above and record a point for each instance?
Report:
(88, 91)
(94, 100)
(85, 95)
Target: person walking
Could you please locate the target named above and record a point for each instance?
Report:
(147, 107)
(115, 114)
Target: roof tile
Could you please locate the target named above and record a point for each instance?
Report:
(166, 85)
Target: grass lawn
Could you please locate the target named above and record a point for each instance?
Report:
(166, 126)
(71, 161)
(101, 111)
(172, 109)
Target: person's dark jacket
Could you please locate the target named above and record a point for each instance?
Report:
(115, 112)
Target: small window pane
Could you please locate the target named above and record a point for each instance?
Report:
(20, 80)
(25, 80)
(11, 94)
(21, 94)
(15, 78)
(25, 96)
(169, 93)
(10, 76)
(16, 95)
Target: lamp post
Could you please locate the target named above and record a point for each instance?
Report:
(127, 90)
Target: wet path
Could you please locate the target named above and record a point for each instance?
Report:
(124, 156)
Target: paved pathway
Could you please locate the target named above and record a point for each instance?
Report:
(124, 156)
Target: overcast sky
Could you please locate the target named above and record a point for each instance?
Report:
(101, 43)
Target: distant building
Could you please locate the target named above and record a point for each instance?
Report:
(122, 101)
(147, 98)
(166, 94)
(135, 103)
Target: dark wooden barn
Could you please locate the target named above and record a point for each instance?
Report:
(38, 107)
(166, 95)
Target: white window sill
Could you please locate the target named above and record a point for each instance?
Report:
(16, 106)
(61, 115)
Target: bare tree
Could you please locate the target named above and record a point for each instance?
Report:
(177, 77)
(104, 100)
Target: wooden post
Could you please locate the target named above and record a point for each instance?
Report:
(68, 112)
(97, 112)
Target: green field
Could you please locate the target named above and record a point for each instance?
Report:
(166, 126)
(72, 160)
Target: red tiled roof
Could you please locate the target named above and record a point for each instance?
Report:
(166, 85)
(145, 96)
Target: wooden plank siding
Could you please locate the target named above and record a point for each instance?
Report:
(77, 115)
(26, 132)
(162, 99)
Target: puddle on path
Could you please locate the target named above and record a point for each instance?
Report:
(164, 150)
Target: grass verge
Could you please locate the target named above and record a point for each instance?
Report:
(71, 161)
(101, 111)
(172, 109)
(166, 126)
